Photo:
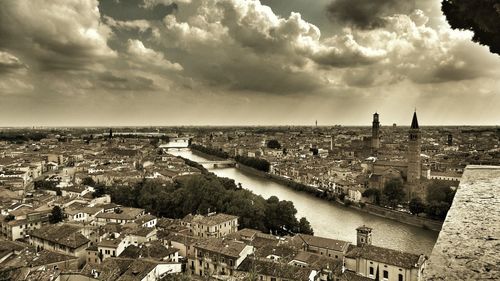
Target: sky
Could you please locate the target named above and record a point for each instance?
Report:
(240, 62)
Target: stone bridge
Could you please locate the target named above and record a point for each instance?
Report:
(218, 163)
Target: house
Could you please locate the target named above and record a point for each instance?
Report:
(114, 269)
(211, 226)
(154, 250)
(121, 215)
(62, 238)
(323, 246)
(19, 222)
(271, 271)
(218, 256)
(378, 263)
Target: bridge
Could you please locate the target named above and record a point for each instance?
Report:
(176, 143)
(217, 163)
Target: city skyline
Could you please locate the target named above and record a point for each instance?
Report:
(231, 63)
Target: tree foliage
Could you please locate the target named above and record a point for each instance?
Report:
(416, 206)
(305, 226)
(480, 16)
(197, 194)
(210, 150)
(273, 144)
(439, 197)
(256, 163)
(372, 193)
(56, 215)
(394, 192)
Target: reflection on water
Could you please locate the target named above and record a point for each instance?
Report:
(331, 220)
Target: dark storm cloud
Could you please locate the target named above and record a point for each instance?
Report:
(367, 14)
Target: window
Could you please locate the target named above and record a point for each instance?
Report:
(400, 277)
(386, 274)
(371, 270)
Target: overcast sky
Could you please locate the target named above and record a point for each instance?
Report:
(230, 62)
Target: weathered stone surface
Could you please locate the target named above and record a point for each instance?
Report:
(468, 246)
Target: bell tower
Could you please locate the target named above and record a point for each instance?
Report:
(414, 161)
(375, 133)
(364, 236)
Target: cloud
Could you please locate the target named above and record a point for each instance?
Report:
(145, 57)
(10, 63)
(111, 81)
(367, 14)
(59, 34)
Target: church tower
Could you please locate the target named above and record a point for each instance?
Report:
(414, 162)
(375, 133)
(364, 236)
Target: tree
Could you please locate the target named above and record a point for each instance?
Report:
(99, 191)
(437, 210)
(372, 193)
(416, 206)
(305, 227)
(480, 16)
(394, 192)
(440, 192)
(273, 144)
(88, 181)
(56, 215)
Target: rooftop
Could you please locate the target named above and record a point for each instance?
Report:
(384, 255)
(467, 246)
(67, 235)
(321, 242)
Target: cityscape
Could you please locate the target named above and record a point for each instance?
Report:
(159, 140)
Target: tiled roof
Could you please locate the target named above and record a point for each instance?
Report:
(321, 242)
(212, 219)
(270, 268)
(229, 248)
(67, 235)
(385, 255)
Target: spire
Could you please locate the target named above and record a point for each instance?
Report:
(414, 121)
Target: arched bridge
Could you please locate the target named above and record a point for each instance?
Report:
(218, 163)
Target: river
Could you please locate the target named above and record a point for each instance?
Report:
(328, 219)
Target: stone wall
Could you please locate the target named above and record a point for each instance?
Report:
(468, 246)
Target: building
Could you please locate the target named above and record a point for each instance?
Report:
(218, 257)
(120, 215)
(378, 263)
(323, 246)
(211, 226)
(414, 150)
(66, 239)
(375, 133)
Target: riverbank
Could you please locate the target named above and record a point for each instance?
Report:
(207, 156)
(367, 208)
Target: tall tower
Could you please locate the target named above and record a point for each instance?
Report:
(364, 236)
(414, 162)
(375, 133)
